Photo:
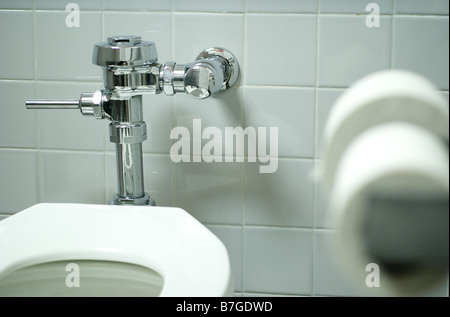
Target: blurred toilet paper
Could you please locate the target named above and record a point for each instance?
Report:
(385, 96)
(386, 171)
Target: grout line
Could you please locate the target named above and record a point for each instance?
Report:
(215, 225)
(15, 10)
(51, 81)
(207, 13)
(420, 15)
(323, 229)
(244, 165)
(173, 179)
(68, 151)
(105, 170)
(391, 43)
(109, 152)
(29, 80)
(270, 86)
(39, 172)
(18, 149)
(316, 94)
(292, 86)
(149, 11)
(284, 227)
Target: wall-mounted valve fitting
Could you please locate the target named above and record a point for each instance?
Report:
(130, 70)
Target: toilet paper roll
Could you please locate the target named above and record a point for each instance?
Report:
(390, 207)
(385, 96)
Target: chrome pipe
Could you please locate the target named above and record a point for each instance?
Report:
(130, 176)
(52, 104)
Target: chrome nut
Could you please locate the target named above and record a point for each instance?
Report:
(203, 79)
(140, 201)
(128, 133)
(228, 62)
(91, 104)
(167, 78)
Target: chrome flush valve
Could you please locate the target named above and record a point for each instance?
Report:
(215, 69)
(130, 70)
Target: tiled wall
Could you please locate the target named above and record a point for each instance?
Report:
(296, 58)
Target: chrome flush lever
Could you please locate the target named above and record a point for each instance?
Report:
(52, 104)
(89, 104)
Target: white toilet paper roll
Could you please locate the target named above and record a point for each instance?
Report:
(397, 160)
(385, 96)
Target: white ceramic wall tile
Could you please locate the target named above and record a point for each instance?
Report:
(72, 177)
(16, 45)
(16, 4)
(211, 192)
(321, 218)
(65, 129)
(291, 6)
(65, 53)
(422, 7)
(18, 180)
(154, 27)
(329, 277)
(280, 49)
(350, 50)
(354, 6)
(284, 198)
(291, 110)
(278, 260)
(221, 111)
(421, 45)
(157, 178)
(209, 5)
(61, 5)
(158, 116)
(138, 5)
(326, 98)
(18, 126)
(232, 238)
(209, 32)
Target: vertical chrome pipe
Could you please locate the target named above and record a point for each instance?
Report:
(130, 178)
(128, 131)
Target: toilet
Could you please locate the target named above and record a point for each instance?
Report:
(107, 250)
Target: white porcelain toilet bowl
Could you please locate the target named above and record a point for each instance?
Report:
(112, 250)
